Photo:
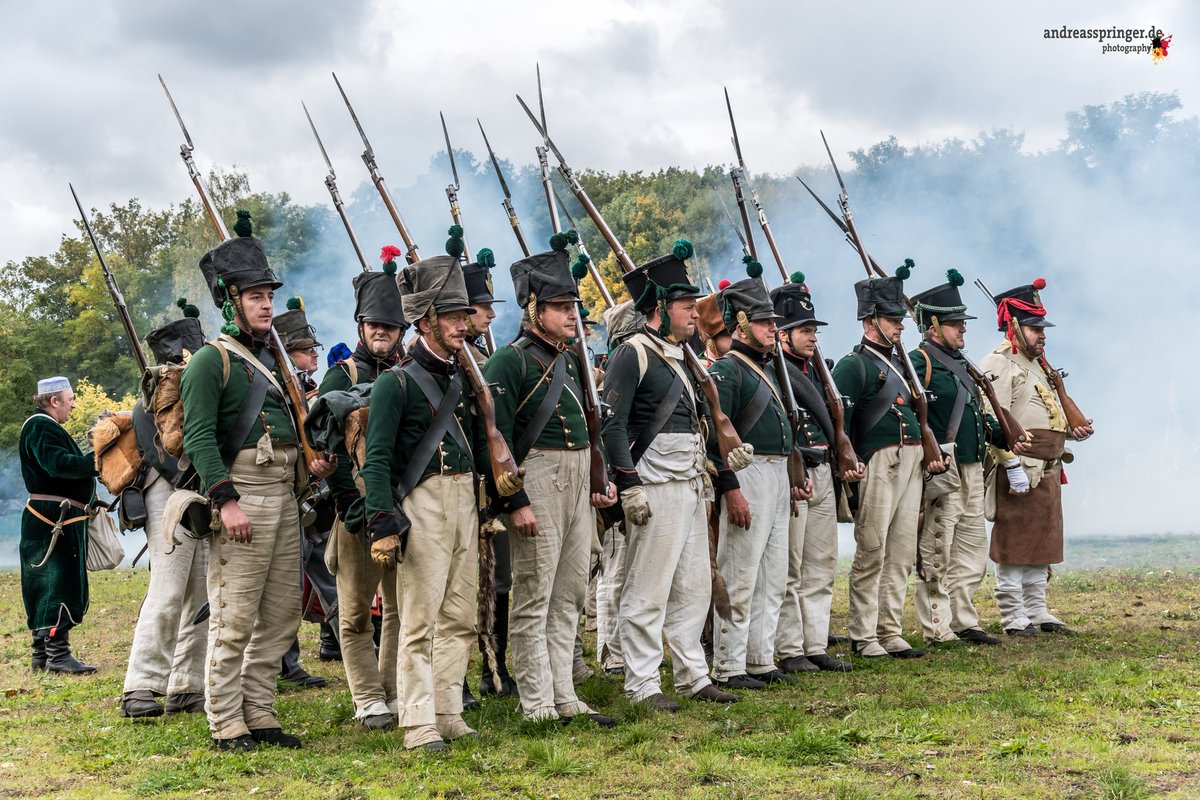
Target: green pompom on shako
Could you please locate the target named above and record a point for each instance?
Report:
(796, 277)
(904, 271)
(579, 268)
(753, 268)
(243, 227)
(188, 309)
(683, 249)
(454, 245)
(955, 277)
(942, 303)
(295, 304)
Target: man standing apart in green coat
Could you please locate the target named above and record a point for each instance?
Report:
(61, 482)
(539, 410)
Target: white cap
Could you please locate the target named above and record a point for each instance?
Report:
(52, 385)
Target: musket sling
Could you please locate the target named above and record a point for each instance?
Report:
(558, 381)
(878, 405)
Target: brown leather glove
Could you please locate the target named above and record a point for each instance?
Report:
(386, 552)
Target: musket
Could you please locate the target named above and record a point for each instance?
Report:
(708, 282)
(507, 201)
(295, 391)
(843, 449)
(1013, 431)
(335, 195)
(368, 156)
(931, 451)
(582, 250)
(114, 291)
(1075, 417)
(185, 152)
(797, 472)
(593, 409)
(456, 216)
(727, 437)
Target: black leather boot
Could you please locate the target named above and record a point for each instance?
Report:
(38, 662)
(59, 658)
(293, 672)
(331, 648)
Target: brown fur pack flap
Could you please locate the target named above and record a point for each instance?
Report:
(356, 435)
(167, 409)
(116, 450)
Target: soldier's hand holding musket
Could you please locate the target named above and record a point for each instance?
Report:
(323, 466)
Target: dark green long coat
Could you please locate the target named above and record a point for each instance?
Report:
(51, 463)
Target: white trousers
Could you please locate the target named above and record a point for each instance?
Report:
(608, 599)
(167, 656)
(754, 564)
(1021, 595)
(954, 556)
(812, 562)
(667, 586)
(550, 577)
(885, 535)
(371, 675)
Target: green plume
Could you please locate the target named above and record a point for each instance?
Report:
(683, 249)
(572, 236)
(243, 227)
(904, 271)
(485, 258)
(579, 269)
(955, 277)
(559, 242)
(753, 268)
(188, 309)
(796, 277)
(295, 304)
(454, 245)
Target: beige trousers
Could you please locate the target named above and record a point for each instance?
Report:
(954, 556)
(372, 677)
(167, 656)
(754, 563)
(885, 535)
(437, 592)
(550, 577)
(254, 596)
(812, 562)
(608, 599)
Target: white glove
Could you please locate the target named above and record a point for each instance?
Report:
(636, 505)
(1018, 481)
(740, 457)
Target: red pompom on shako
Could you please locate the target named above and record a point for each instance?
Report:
(723, 285)
(1039, 283)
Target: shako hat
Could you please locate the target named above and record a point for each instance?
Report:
(293, 328)
(884, 296)
(941, 303)
(747, 296)
(239, 262)
(478, 277)
(663, 279)
(794, 303)
(435, 282)
(548, 276)
(376, 295)
(1023, 305)
(179, 338)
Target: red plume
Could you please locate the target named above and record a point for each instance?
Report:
(1039, 283)
(723, 284)
(389, 253)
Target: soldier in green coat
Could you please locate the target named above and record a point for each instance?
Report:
(953, 545)
(883, 427)
(539, 410)
(61, 481)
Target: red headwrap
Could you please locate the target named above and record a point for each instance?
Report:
(1004, 316)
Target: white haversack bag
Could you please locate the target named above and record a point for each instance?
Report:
(104, 543)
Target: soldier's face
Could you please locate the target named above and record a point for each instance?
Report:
(954, 334)
(802, 340)
(305, 360)
(763, 333)
(380, 339)
(453, 327)
(558, 318)
(1035, 339)
(61, 405)
(257, 309)
(892, 329)
(481, 318)
(683, 316)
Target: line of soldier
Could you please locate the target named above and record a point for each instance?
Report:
(416, 509)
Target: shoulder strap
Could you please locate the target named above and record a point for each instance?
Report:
(878, 405)
(558, 381)
(351, 370)
(748, 417)
(265, 367)
(966, 387)
(928, 366)
(640, 346)
(444, 421)
(247, 415)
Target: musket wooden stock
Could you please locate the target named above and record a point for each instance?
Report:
(498, 453)
(1075, 417)
(1013, 432)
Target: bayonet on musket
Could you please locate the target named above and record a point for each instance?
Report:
(452, 192)
(331, 185)
(114, 291)
(727, 437)
(513, 220)
(185, 152)
(368, 156)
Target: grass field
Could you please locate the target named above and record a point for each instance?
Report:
(1111, 714)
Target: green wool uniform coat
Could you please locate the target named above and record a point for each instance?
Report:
(860, 379)
(977, 428)
(51, 463)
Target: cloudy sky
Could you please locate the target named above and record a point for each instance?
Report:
(629, 85)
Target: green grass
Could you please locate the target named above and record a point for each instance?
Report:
(1110, 714)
